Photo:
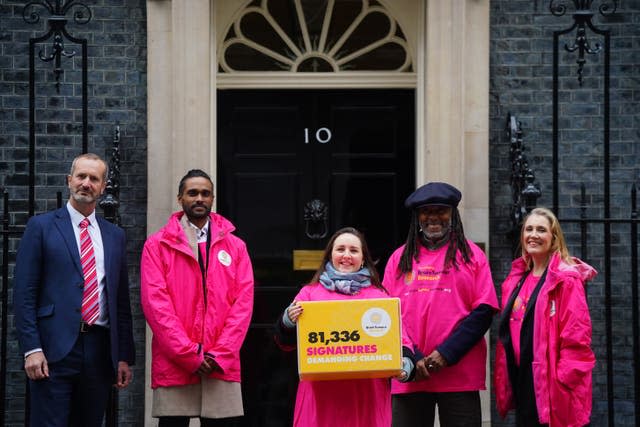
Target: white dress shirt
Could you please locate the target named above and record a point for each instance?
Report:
(98, 251)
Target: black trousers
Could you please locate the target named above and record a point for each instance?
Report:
(455, 409)
(204, 422)
(526, 409)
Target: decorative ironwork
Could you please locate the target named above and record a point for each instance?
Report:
(57, 28)
(524, 191)
(111, 200)
(582, 19)
(315, 217)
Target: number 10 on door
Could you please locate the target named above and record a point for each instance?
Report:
(322, 135)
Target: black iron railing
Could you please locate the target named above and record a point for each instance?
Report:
(584, 28)
(56, 31)
(524, 192)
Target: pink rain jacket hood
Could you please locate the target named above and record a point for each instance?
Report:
(188, 318)
(562, 357)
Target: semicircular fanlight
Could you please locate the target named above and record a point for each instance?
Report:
(314, 36)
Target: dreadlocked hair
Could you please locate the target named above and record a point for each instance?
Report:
(457, 241)
(411, 246)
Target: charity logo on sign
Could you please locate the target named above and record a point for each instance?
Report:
(376, 322)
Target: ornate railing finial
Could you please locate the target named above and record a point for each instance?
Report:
(57, 28)
(111, 200)
(582, 19)
(524, 192)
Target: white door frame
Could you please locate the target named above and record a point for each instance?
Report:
(450, 47)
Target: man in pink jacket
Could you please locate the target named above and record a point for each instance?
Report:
(197, 296)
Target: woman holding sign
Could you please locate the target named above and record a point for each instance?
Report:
(347, 271)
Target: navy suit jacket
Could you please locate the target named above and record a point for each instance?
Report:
(48, 287)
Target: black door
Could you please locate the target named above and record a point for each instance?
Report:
(293, 167)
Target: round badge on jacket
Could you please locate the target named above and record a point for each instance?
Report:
(224, 258)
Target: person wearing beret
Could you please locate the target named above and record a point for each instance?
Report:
(448, 301)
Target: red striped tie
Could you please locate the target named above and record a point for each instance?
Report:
(90, 300)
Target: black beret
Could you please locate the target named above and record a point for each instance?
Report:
(434, 193)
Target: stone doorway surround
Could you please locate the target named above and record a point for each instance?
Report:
(449, 42)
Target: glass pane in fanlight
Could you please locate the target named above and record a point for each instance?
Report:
(389, 56)
(256, 28)
(244, 58)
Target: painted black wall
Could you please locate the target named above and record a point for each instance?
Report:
(116, 38)
(521, 83)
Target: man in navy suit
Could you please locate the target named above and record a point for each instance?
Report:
(73, 360)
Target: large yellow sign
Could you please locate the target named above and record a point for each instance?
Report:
(349, 339)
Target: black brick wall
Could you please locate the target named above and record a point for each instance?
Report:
(521, 83)
(116, 37)
(521, 67)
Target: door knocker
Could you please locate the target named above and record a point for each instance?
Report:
(315, 217)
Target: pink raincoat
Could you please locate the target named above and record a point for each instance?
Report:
(187, 318)
(352, 403)
(562, 356)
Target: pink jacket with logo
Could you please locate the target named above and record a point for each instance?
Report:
(188, 318)
(562, 355)
(355, 403)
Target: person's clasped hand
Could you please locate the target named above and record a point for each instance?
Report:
(205, 368)
(430, 365)
(208, 365)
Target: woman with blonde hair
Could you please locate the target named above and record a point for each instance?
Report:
(544, 359)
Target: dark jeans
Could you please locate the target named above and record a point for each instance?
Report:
(455, 409)
(204, 422)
